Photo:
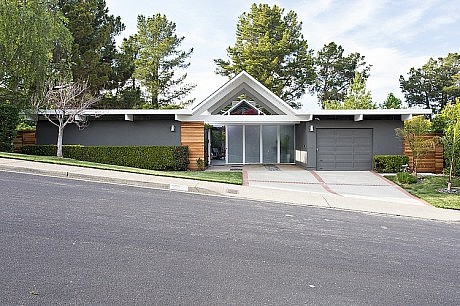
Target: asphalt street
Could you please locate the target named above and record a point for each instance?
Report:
(66, 241)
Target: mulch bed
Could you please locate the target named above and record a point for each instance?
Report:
(451, 191)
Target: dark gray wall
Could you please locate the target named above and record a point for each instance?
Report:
(113, 133)
(384, 138)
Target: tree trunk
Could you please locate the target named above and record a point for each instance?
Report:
(451, 169)
(59, 142)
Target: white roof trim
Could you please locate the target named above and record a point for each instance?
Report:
(242, 119)
(101, 112)
(238, 81)
(332, 112)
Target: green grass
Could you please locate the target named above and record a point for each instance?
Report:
(230, 177)
(427, 189)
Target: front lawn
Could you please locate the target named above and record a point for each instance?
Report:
(230, 177)
(427, 189)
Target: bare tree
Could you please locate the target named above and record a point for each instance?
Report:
(63, 104)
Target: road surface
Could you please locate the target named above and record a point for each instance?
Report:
(66, 241)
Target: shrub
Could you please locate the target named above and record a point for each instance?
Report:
(406, 178)
(389, 163)
(9, 119)
(145, 157)
(200, 164)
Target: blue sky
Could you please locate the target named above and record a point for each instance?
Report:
(393, 35)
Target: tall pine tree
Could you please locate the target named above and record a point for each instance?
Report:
(433, 85)
(270, 47)
(94, 51)
(159, 60)
(357, 97)
(335, 72)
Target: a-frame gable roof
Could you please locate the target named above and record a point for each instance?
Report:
(243, 83)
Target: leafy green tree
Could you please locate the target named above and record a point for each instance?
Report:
(31, 35)
(434, 84)
(270, 47)
(94, 53)
(9, 118)
(391, 102)
(356, 98)
(450, 116)
(412, 133)
(159, 59)
(335, 72)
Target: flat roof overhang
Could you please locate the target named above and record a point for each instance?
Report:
(361, 114)
(243, 119)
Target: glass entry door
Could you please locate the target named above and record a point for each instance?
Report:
(270, 144)
(252, 144)
(235, 144)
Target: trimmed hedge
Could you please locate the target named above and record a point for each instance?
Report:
(145, 157)
(9, 119)
(389, 163)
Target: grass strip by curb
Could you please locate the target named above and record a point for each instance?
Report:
(229, 177)
(427, 189)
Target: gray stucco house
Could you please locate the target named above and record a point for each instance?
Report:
(259, 128)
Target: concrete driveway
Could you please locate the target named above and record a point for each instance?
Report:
(361, 184)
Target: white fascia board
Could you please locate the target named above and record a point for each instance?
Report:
(237, 81)
(101, 112)
(344, 112)
(216, 95)
(242, 119)
(270, 96)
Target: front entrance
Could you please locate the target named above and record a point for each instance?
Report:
(256, 144)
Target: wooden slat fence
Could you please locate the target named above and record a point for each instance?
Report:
(23, 138)
(433, 162)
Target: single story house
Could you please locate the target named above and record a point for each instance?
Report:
(258, 128)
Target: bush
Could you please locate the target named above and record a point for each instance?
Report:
(389, 163)
(406, 178)
(9, 118)
(145, 157)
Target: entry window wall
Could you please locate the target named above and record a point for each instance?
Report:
(235, 145)
(253, 144)
(270, 144)
(287, 143)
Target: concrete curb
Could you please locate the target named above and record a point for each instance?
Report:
(288, 197)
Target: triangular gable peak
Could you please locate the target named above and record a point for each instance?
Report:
(244, 107)
(243, 85)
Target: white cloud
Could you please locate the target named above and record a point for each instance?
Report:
(389, 64)
(393, 35)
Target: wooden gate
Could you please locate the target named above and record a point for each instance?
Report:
(192, 135)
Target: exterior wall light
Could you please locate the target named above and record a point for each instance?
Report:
(311, 128)
(173, 128)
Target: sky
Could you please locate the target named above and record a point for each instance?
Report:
(393, 35)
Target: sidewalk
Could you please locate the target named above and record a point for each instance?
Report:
(293, 197)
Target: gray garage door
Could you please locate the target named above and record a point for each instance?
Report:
(344, 149)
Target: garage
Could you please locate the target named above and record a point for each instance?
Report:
(344, 149)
